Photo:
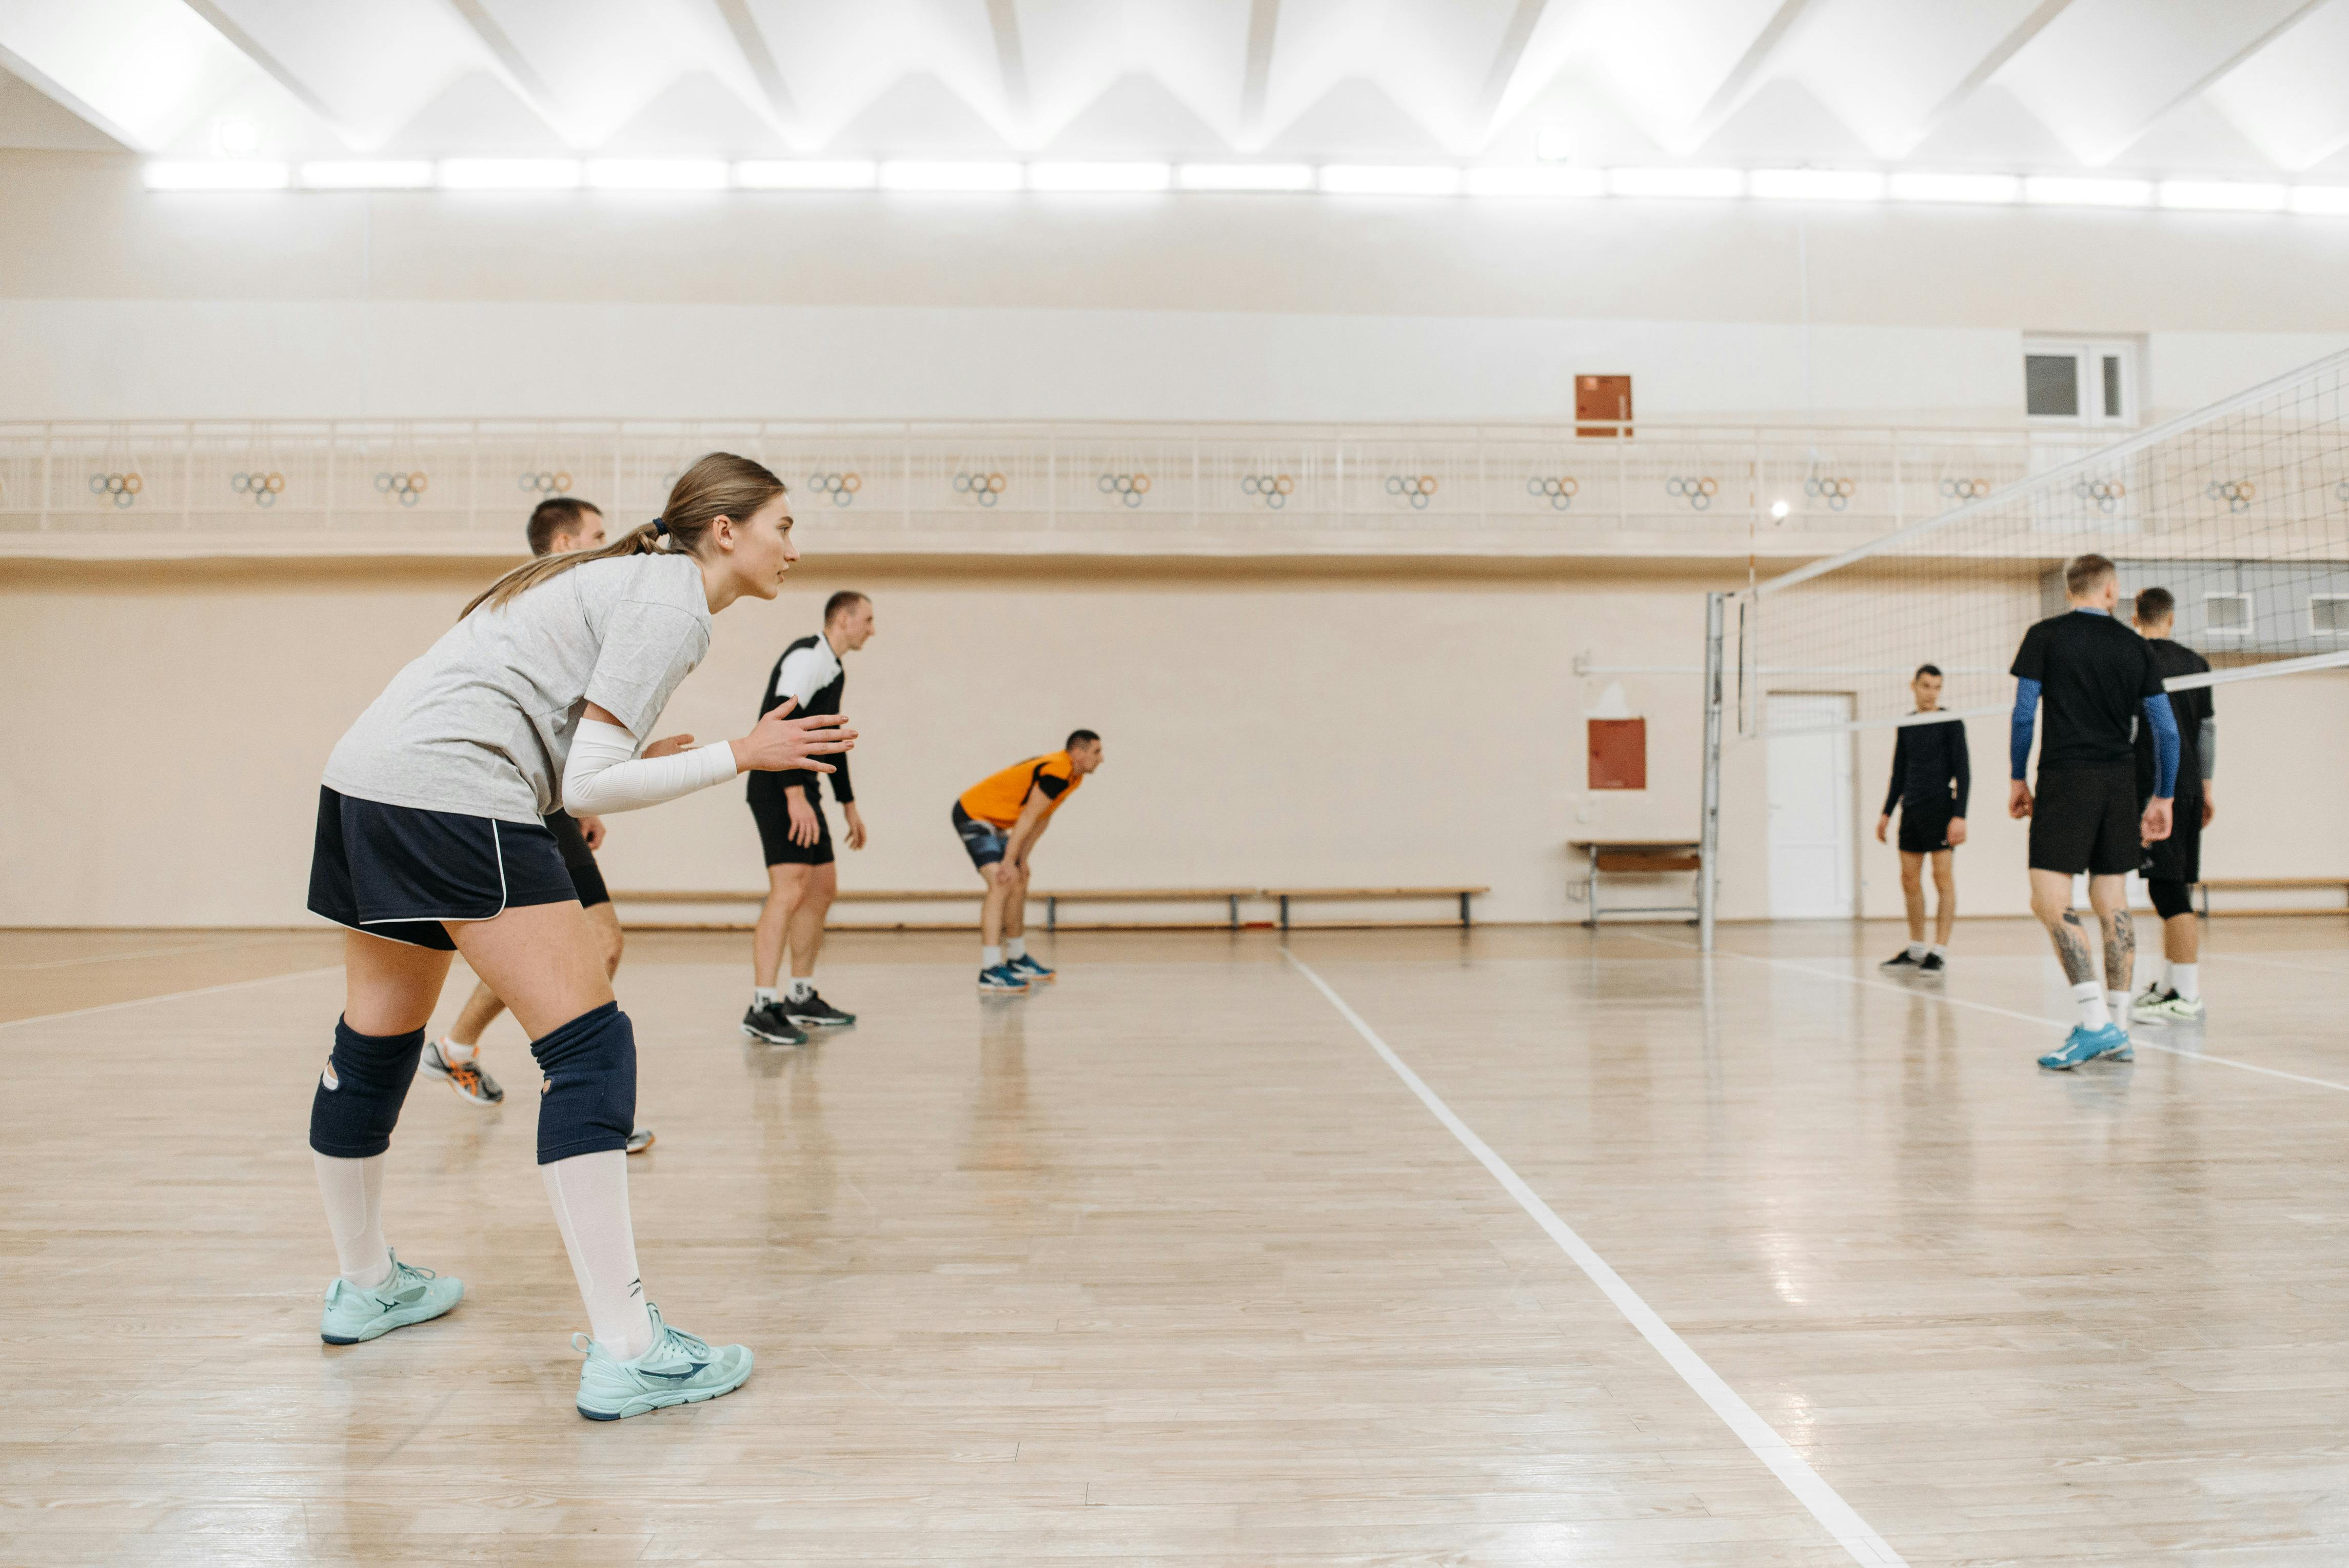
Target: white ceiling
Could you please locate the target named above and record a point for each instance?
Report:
(2162, 87)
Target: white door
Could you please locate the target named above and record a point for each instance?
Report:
(1811, 868)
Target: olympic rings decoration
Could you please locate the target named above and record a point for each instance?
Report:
(841, 487)
(1697, 492)
(1559, 491)
(545, 481)
(981, 488)
(1837, 493)
(2341, 489)
(1417, 489)
(406, 487)
(1129, 488)
(123, 488)
(2106, 493)
(263, 487)
(2236, 493)
(1273, 489)
(1964, 489)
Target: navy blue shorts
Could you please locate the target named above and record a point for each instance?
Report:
(981, 839)
(397, 872)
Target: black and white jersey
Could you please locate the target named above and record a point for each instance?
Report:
(809, 673)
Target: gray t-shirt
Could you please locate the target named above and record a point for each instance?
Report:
(482, 723)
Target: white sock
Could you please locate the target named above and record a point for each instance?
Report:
(2090, 998)
(1015, 947)
(455, 1054)
(1940, 950)
(590, 1195)
(2186, 979)
(1918, 950)
(989, 957)
(802, 987)
(2116, 1006)
(761, 994)
(353, 1191)
(2168, 976)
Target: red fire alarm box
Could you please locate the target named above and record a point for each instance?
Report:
(1603, 397)
(1618, 753)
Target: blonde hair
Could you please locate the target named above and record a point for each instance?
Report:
(719, 484)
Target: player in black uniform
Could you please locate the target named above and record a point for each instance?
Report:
(2173, 865)
(796, 837)
(1931, 778)
(2095, 676)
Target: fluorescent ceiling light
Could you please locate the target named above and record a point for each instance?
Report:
(237, 136)
(1686, 182)
(657, 174)
(1245, 177)
(1816, 185)
(972, 176)
(2048, 191)
(218, 174)
(510, 174)
(805, 174)
(2223, 196)
(1100, 176)
(1535, 179)
(369, 174)
(2324, 201)
(1390, 178)
(1990, 188)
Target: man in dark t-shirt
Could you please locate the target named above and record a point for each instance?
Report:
(2095, 676)
(1931, 778)
(2173, 865)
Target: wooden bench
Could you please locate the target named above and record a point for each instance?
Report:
(1054, 899)
(1350, 893)
(1640, 857)
(2255, 884)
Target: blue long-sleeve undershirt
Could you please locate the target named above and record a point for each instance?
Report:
(2026, 720)
(2159, 718)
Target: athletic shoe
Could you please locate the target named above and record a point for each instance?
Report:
(1900, 960)
(2169, 1008)
(2149, 996)
(1028, 969)
(766, 1021)
(813, 1012)
(473, 1086)
(2086, 1045)
(1932, 963)
(640, 1139)
(1001, 981)
(411, 1295)
(679, 1369)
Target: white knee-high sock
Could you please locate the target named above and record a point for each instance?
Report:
(590, 1195)
(353, 1191)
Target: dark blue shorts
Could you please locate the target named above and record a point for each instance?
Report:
(398, 872)
(981, 839)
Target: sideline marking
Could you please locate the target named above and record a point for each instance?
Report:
(2042, 1020)
(1841, 1519)
(168, 997)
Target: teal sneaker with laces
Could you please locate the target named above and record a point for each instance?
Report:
(2086, 1045)
(410, 1295)
(1028, 969)
(679, 1369)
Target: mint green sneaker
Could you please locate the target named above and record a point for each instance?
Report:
(679, 1369)
(411, 1295)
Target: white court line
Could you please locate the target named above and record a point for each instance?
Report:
(1841, 1519)
(168, 997)
(2042, 1020)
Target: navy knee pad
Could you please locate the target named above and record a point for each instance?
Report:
(588, 1103)
(2170, 899)
(359, 1095)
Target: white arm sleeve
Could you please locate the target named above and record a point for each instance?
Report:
(605, 774)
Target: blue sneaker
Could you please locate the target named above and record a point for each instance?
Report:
(411, 1295)
(1001, 980)
(1028, 969)
(679, 1369)
(2086, 1045)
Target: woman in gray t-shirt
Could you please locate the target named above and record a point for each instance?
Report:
(429, 841)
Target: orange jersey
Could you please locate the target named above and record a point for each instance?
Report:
(998, 796)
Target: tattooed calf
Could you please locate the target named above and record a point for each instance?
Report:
(2072, 947)
(2120, 952)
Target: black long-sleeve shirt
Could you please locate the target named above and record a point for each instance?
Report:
(1929, 767)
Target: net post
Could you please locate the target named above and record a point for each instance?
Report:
(1709, 828)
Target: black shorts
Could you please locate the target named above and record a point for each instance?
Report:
(2177, 858)
(586, 876)
(398, 871)
(981, 839)
(771, 809)
(2085, 820)
(1925, 830)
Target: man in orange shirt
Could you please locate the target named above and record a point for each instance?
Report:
(999, 819)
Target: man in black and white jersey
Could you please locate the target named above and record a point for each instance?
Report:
(1931, 778)
(796, 839)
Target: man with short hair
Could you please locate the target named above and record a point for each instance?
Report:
(796, 837)
(2095, 676)
(1000, 819)
(2173, 865)
(1931, 778)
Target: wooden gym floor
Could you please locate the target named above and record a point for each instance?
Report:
(1514, 1247)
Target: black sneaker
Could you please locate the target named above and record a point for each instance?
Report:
(1931, 963)
(1900, 960)
(813, 1012)
(767, 1021)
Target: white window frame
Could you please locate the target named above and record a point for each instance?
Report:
(2089, 355)
(2210, 629)
(2316, 631)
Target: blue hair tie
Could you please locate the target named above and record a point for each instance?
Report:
(660, 528)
